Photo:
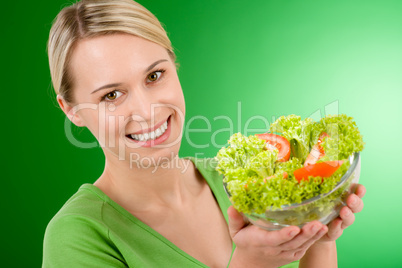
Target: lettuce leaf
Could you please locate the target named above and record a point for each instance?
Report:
(289, 166)
(344, 137)
(302, 134)
(245, 157)
(255, 195)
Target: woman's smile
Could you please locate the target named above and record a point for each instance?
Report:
(152, 136)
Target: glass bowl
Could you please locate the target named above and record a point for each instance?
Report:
(324, 207)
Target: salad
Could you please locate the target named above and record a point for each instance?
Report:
(294, 161)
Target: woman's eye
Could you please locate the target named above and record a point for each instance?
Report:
(154, 76)
(112, 95)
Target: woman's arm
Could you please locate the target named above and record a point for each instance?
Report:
(320, 255)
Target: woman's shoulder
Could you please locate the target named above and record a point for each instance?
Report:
(86, 201)
(82, 208)
(77, 233)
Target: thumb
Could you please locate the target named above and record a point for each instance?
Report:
(236, 221)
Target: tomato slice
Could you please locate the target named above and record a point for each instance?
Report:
(316, 152)
(276, 141)
(322, 169)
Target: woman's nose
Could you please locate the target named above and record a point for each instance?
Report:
(140, 105)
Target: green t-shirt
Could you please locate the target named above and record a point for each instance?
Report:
(91, 230)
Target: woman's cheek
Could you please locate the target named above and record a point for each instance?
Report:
(101, 124)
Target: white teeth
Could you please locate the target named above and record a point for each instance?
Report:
(151, 135)
(158, 132)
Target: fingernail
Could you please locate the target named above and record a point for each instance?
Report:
(314, 228)
(292, 233)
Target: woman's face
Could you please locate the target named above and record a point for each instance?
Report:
(127, 93)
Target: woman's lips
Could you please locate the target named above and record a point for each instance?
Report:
(151, 128)
(144, 138)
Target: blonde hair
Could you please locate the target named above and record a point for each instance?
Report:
(90, 18)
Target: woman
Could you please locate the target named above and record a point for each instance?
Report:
(114, 72)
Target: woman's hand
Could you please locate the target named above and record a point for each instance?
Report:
(256, 247)
(323, 252)
(346, 216)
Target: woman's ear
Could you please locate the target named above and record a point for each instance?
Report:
(69, 111)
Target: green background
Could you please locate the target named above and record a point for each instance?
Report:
(238, 59)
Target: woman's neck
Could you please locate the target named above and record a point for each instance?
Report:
(137, 188)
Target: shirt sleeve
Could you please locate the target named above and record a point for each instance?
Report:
(76, 241)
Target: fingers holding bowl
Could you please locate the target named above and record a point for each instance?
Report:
(242, 231)
(236, 221)
(334, 229)
(360, 191)
(310, 233)
(320, 234)
(347, 216)
(355, 203)
(280, 237)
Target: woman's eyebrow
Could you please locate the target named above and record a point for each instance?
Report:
(150, 67)
(107, 86)
(154, 64)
